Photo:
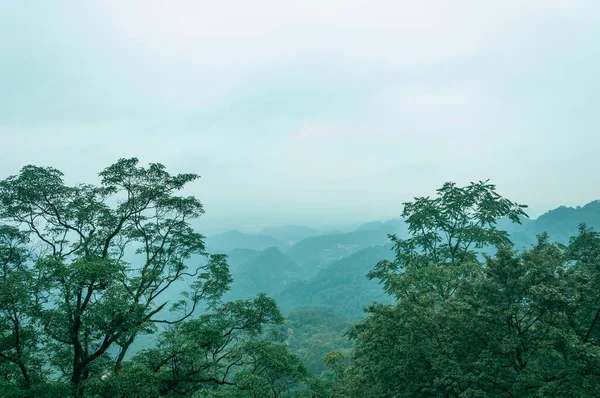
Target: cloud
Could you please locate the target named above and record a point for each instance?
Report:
(316, 133)
(332, 106)
(116, 60)
(264, 31)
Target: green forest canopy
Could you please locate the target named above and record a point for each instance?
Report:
(89, 270)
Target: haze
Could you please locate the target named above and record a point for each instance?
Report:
(320, 113)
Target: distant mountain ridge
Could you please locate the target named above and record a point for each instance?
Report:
(312, 252)
(289, 234)
(394, 224)
(318, 251)
(330, 269)
(564, 221)
(230, 240)
(560, 224)
(343, 285)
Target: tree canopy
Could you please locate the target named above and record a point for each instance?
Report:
(107, 291)
(468, 322)
(87, 269)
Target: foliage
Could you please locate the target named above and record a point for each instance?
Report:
(465, 324)
(313, 332)
(329, 383)
(228, 348)
(86, 272)
(72, 306)
(444, 233)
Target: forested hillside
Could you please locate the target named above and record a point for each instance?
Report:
(318, 251)
(337, 284)
(267, 271)
(107, 291)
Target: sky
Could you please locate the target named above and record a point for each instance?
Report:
(315, 112)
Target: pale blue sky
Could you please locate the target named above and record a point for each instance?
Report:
(318, 112)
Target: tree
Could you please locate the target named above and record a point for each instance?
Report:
(583, 253)
(86, 298)
(475, 324)
(315, 331)
(330, 383)
(236, 351)
(397, 344)
(20, 361)
(445, 231)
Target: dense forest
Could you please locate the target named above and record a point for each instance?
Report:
(111, 290)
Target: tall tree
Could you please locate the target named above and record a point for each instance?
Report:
(396, 345)
(445, 233)
(19, 360)
(475, 324)
(87, 297)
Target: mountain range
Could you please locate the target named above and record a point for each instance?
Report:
(329, 270)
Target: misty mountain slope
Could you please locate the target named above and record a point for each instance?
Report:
(230, 240)
(289, 234)
(237, 257)
(318, 251)
(267, 271)
(342, 286)
(395, 225)
(560, 224)
(312, 273)
(563, 222)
